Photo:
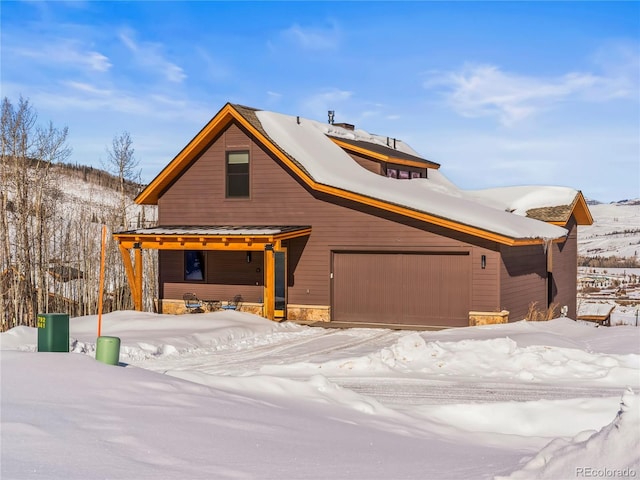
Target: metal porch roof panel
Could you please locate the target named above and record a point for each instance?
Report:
(217, 230)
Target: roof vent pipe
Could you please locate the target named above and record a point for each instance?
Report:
(394, 143)
(298, 119)
(387, 141)
(331, 115)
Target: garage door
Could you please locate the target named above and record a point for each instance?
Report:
(402, 288)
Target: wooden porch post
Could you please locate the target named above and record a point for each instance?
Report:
(133, 277)
(137, 299)
(269, 283)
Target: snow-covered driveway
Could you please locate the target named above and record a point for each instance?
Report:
(409, 368)
(304, 352)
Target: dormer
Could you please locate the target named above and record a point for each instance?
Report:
(388, 158)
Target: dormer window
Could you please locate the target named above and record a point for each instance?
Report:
(237, 175)
(405, 173)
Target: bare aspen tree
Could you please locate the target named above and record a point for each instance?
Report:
(7, 314)
(30, 196)
(123, 165)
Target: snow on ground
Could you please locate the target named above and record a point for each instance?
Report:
(230, 395)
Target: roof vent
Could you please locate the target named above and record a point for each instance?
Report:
(332, 114)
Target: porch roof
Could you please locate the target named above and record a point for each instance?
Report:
(209, 237)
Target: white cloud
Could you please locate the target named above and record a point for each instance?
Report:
(314, 38)
(149, 55)
(487, 90)
(67, 53)
(81, 97)
(87, 88)
(98, 62)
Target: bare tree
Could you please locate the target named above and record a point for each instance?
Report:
(49, 241)
(29, 199)
(123, 164)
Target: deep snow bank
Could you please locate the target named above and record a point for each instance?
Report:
(612, 452)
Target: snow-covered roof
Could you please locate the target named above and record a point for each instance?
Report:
(592, 309)
(316, 152)
(328, 164)
(521, 199)
(358, 135)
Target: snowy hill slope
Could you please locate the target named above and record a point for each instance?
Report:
(97, 191)
(615, 231)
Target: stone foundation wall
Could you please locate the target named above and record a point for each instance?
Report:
(295, 313)
(176, 307)
(488, 318)
(308, 313)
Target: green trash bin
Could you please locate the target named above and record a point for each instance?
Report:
(53, 332)
(108, 350)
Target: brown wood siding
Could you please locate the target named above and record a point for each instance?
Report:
(486, 281)
(523, 279)
(371, 165)
(565, 270)
(430, 288)
(278, 198)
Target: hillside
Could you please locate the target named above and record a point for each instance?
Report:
(95, 189)
(613, 240)
(615, 231)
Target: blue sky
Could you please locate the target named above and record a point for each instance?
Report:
(498, 93)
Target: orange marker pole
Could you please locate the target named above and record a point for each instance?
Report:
(101, 290)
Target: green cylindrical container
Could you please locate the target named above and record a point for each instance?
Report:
(53, 332)
(108, 350)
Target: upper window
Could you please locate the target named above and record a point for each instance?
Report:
(237, 174)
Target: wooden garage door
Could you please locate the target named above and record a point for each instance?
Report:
(402, 288)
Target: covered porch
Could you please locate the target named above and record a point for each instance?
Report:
(268, 240)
